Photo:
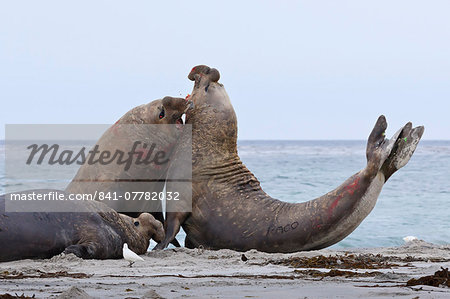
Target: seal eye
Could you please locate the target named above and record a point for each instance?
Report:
(162, 114)
(136, 223)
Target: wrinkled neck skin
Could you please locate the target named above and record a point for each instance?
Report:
(230, 210)
(214, 126)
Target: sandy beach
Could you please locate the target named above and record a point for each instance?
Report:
(199, 273)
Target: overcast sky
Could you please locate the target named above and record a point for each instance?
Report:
(293, 69)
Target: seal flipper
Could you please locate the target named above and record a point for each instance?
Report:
(378, 147)
(82, 250)
(376, 137)
(404, 148)
(175, 242)
(171, 227)
(160, 217)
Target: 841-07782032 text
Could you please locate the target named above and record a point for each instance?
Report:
(136, 196)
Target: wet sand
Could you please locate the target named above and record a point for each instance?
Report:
(198, 273)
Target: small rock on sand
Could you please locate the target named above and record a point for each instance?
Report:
(152, 295)
(74, 292)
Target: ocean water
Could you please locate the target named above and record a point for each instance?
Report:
(415, 201)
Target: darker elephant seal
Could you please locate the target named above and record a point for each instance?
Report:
(229, 208)
(87, 234)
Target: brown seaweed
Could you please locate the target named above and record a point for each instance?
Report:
(439, 278)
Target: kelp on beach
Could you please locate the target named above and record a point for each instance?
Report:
(348, 261)
(351, 261)
(438, 279)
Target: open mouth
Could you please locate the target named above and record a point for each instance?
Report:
(180, 122)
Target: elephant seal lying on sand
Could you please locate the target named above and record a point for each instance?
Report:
(87, 234)
(113, 180)
(229, 208)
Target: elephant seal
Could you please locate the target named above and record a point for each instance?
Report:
(229, 208)
(89, 235)
(112, 180)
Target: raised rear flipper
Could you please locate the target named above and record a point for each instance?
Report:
(403, 149)
(378, 146)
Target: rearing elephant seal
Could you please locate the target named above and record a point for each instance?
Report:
(229, 208)
(154, 128)
(87, 234)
